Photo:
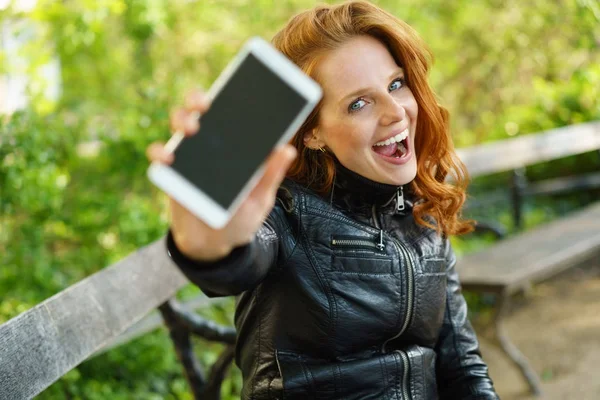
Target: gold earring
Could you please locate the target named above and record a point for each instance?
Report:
(320, 148)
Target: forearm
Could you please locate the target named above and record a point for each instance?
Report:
(461, 371)
(242, 269)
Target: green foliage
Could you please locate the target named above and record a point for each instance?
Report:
(74, 197)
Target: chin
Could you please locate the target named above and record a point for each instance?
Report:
(403, 178)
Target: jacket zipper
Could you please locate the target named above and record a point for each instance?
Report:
(359, 242)
(410, 278)
(400, 199)
(278, 366)
(405, 371)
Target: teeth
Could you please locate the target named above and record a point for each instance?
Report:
(396, 139)
(402, 148)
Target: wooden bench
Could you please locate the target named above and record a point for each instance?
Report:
(532, 256)
(116, 304)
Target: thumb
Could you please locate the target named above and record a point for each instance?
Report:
(275, 169)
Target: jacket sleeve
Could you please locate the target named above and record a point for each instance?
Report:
(243, 269)
(461, 372)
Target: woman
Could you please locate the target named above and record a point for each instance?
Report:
(346, 279)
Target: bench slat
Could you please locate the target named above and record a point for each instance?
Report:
(534, 255)
(44, 343)
(530, 149)
(563, 184)
(154, 321)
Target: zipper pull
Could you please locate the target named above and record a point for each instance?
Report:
(400, 199)
(380, 245)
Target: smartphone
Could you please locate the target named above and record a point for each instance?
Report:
(258, 102)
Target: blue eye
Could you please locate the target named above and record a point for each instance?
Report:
(396, 84)
(357, 105)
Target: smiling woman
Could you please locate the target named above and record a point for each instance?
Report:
(346, 278)
(373, 70)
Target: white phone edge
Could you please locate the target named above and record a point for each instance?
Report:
(192, 197)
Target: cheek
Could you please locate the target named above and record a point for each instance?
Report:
(350, 140)
(414, 108)
(415, 112)
(344, 135)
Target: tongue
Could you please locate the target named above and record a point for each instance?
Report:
(387, 151)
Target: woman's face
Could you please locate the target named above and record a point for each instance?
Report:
(366, 108)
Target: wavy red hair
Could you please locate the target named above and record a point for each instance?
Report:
(309, 35)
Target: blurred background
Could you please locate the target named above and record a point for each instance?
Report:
(86, 85)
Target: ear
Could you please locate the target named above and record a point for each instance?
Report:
(312, 140)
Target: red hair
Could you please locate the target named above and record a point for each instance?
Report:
(309, 35)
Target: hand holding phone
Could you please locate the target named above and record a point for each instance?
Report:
(194, 237)
(221, 176)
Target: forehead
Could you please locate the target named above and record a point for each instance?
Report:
(362, 61)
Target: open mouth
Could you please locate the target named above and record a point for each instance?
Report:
(395, 150)
(395, 147)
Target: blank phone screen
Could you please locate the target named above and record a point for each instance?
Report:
(246, 119)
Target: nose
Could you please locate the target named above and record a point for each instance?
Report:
(392, 111)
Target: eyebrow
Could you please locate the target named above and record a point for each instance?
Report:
(399, 71)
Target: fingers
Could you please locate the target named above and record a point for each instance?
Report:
(197, 101)
(157, 152)
(186, 120)
(277, 165)
(253, 211)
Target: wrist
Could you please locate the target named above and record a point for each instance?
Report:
(210, 254)
(201, 251)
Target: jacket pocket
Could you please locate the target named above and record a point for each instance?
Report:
(371, 378)
(366, 309)
(430, 301)
(359, 254)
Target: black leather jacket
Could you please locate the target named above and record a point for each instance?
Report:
(347, 298)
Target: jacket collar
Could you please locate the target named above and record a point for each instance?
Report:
(357, 194)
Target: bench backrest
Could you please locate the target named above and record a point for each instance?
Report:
(521, 151)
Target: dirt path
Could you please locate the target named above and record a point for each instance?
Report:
(557, 327)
